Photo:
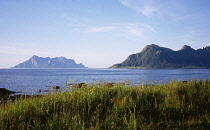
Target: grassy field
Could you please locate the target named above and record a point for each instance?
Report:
(175, 105)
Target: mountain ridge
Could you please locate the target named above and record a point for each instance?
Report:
(47, 62)
(154, 56)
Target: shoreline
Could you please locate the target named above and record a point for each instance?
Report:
(7, 95)
(176, 105)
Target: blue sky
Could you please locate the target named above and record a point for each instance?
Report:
(98, 33)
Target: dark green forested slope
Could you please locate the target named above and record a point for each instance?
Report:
(154, 56)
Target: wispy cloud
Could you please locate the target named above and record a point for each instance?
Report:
(141, 6)
(148, 10)
(149, 27)
(174, 10)
(18, 51)
(102, 29)
(134, 31)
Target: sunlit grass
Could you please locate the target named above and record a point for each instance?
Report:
(175, 105)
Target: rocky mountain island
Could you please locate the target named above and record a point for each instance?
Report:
(57, 62)
(154, 56)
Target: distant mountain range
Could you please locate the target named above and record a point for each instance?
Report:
(154, 56)
(57, 62)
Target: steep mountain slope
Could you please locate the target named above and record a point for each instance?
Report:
(57, 62)
(153, 56)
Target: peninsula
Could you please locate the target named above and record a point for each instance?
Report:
(154, 56)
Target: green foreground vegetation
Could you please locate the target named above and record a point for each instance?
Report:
(176, 105)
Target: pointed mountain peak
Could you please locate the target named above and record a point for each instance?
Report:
(152, 46)
(34, 56)
(186, 47)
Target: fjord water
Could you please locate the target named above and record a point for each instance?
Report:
(32, 80)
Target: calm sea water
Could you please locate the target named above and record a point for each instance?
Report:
(32, 80)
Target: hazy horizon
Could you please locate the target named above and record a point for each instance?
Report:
(98, 33)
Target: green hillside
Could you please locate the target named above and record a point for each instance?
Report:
(176, 105)
(153, 56)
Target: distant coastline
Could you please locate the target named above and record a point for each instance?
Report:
(189, 67)
(154, 56)
(47, 62)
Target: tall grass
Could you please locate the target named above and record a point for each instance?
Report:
(175, 105)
